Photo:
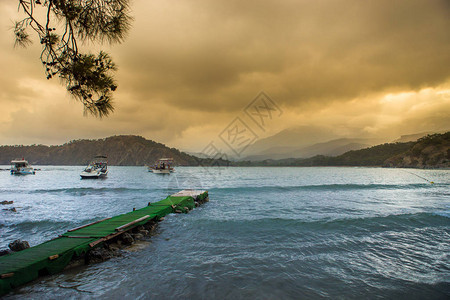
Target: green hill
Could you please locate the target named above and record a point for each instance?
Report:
(372, 156)
(430, 151)
(124, 150)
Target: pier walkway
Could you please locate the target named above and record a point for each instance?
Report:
(53, 256)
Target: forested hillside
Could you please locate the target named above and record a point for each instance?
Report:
(125, 150)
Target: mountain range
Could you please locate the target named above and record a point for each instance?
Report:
(308, 141)
(431, 151)
(330, 148)
(129, 150)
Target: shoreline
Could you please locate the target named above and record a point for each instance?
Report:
(260, 166)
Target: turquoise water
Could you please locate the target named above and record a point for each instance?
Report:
(267, 233)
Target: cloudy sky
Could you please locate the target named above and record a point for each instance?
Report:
(189, 68)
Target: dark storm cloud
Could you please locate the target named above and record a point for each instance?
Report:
(214, 56)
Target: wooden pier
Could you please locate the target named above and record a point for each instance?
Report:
(53, 256)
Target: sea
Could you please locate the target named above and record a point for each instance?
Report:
(266, 233)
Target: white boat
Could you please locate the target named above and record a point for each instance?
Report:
(97, 168)
(21, 167)
(162, 166)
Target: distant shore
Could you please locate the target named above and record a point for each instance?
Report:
(429, 152)
(256, 166)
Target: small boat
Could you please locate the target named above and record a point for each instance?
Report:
(162, 166)
(21, 167)
(97, 168)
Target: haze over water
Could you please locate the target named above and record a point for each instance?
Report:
(267, 233)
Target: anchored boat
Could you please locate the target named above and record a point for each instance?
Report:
(162, 166)
(21, 167)
(97, 168)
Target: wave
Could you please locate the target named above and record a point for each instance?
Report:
(85, 190)
(240, 189)
(327, 187)
(370, 223)
(423, 218)
(37, 223)
(92, 190)
(390, 222)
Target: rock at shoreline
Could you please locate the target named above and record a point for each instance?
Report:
(99, 255)
(13, 209)
(4, 252)
(138, 236)
(144, 232)
(127, 239)
(18, 245)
